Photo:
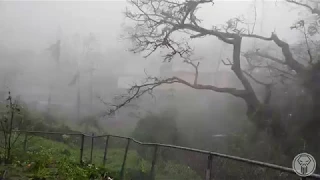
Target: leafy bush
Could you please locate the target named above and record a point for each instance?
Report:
(157, 128)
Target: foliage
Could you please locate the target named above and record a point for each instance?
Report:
(157, 128)
(90, 124)
(8, 124)
(49, 159)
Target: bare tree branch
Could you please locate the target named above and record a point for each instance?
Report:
(196, 69)
(137, 91)
(256, 36)
(229, 63)
(256, 80)
(289, 59)
(308, 47)
(278, 69)
(264, 55)
(313, 10)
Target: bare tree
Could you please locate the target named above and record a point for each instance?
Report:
(86, 50)
(158, 21)
(8, 124)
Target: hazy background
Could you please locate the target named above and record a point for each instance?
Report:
(27, 69)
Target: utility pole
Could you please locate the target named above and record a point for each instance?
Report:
(49, 100)
(90, 41)
(78, 97)
(91, 87)
(87, 49)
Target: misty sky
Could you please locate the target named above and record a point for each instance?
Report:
(34, 25)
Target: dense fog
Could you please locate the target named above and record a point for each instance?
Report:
(94, 65)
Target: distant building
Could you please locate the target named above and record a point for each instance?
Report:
(166, 69)
(221, 78)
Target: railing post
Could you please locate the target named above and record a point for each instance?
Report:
(303, 178)
(124, 160)
(105, 151)
(154, 160)
(209, 167)
(25, 142)
(91, 150)
(81, 148)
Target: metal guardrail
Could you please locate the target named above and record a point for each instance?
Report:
(156, 146)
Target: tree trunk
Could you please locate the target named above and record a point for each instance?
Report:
(311, 130)
(269, 120)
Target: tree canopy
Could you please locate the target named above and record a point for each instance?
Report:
(170, 25)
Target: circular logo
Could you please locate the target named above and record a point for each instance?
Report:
(304, 164)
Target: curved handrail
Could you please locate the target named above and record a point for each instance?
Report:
(235, 158)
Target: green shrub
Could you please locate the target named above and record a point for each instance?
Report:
(157, 128)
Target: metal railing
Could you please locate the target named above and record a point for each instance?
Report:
(157, 146)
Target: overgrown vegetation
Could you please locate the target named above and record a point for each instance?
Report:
(47, 159)
(10, 119)
(57, 156)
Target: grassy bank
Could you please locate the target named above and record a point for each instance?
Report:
(50, 159)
